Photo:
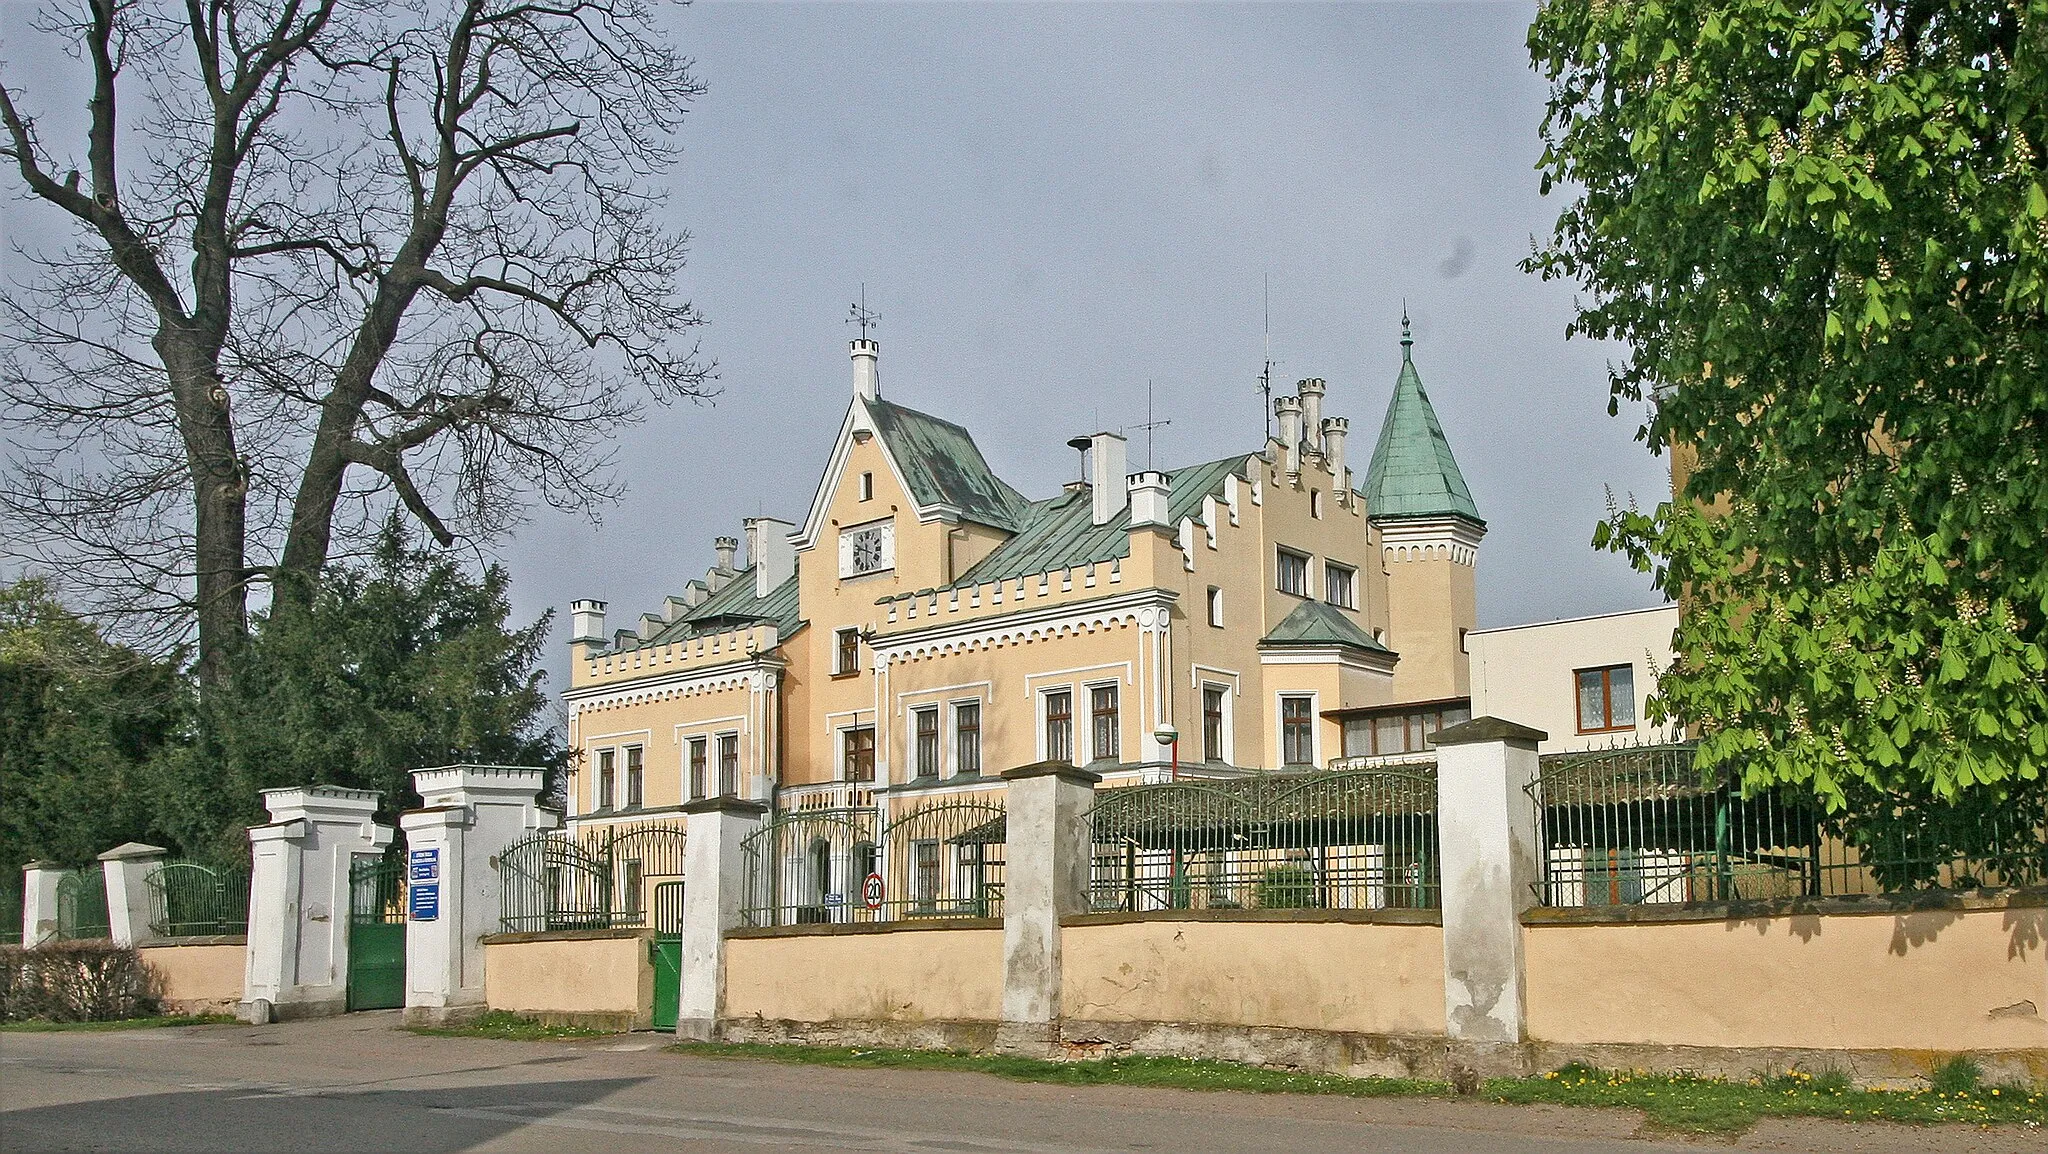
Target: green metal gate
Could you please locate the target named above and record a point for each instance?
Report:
(376, 933)
(666, 952)
(82, 904)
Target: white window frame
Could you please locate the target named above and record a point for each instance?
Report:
(1308, 571)
(1315, 726)
(866, 485)
(839, 636)
(1116, 685)
(950, 736)
(886, 526)
(716, 771)
(938, 714)
(1351, 586)
(839, 753)
(597, 755)
(1229, 738)
(626, 774)
(1044, 693)
(1216, 606)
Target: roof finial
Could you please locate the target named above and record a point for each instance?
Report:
(1407, 341)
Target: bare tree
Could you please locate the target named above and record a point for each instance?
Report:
(324, 255)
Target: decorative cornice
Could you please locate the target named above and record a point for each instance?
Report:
(760, 672)
(1430, 538)
(1362, 660)
(1151, 610)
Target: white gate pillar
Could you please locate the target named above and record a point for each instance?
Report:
(1045, 878)
(39, 901)
(1486, 829)
(714, 890)
(297, 963)
(468, 815)
(127, 875)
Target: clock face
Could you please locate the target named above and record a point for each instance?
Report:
(865, 549)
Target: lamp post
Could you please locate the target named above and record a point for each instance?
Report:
(1168, 736)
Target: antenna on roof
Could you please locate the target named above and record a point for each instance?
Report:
(860, 314)
(1149, 424)
(1266, 374)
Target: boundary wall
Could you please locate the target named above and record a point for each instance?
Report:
(597, 978)
(201, 975)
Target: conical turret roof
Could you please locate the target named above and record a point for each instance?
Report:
(1413, 473)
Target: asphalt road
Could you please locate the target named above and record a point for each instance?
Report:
(359, 1083)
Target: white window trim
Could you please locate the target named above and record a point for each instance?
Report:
(839, 754)
(887, 528)
(939, 769)
(710, 765)
(1044, 753)
(714, 774)
(1214, 606)
(1088, 689)
(1229, 750)
(1315, 726)
(837, 634)
(597, 776)
(1350, 569)
(1308, 576)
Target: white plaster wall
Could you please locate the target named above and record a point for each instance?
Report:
(1523, 673)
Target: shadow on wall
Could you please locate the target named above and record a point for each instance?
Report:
(250, 1117)
(2025, 929)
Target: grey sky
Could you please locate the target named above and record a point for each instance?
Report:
(1050, 204)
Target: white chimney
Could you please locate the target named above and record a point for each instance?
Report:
(673, 607)
(867, 373)
(1149, 494)
(586, 622)
(1106, 468)
(1335, 429)
(770, 553)
(725, 547)
(650, 624)
(695, 594)
(1311, 392)
(1288, 409)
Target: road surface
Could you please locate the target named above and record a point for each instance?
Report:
(360, 1083)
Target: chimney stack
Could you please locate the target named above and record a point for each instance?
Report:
(867, 373)
(1311, 392)
(650, 624)
(1149, 498)
(1288, 409)
(1106, 468)
(586, 622)
(770, 553)
(1335, 429)
(725, 547)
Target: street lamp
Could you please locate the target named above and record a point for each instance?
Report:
(1167, 735)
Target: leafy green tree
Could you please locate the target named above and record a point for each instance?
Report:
(1821, 230)
(394, 665)
(80, 719)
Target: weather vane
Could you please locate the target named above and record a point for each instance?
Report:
(860, 314)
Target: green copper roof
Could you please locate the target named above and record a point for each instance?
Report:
(1413, 473)
(1315, 623)
(734, 607)
(1060, 532)
(942, 466)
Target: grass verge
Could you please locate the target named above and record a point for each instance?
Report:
(510, 1027)
(41, 1027)
(1673, 1102)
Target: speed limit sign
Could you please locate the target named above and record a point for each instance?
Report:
(871, 891)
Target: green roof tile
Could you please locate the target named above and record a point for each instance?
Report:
(1314, 623)
(732, 607)
(943, 466)
(1413, 473)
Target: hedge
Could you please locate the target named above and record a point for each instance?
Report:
(70, 981)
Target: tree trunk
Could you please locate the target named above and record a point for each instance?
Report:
(220, 487)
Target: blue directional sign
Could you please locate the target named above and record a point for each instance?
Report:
(426, 902)
(426, 865)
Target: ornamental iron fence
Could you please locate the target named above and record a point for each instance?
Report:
(943, 859)
(809, 867)
(1642, 826)
(587, 880)
(82, 905)
(1352, 840)
(189, 900)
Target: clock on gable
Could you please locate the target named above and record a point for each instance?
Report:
(865, 549)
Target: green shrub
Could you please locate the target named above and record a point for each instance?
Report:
(1287, 887)
(67, 981)
(1958, 1075)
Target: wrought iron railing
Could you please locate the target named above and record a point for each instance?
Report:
(597, 878)
(1640, 825)
(942, 859)
(809, 867)
(82, 904)
(1343, 841)
(189, 900)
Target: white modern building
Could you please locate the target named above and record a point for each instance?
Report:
(1583, 680)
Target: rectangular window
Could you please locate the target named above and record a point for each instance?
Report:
(607, 778)
(924, 874)
(1297, 731)
(1607, 698)
(1293, 573)
(631, 875)
(728, 764)
(1059, 725)
(867, 486)
(860, 754)
(700, 749)
(927, 741)
(1397, 733)
(1213, 697)
(1102, 717)
(636, 788)
(1215, 607)
(967, 738)
(846, 655)
(1340, 585)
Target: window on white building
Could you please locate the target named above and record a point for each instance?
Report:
(1607, 698)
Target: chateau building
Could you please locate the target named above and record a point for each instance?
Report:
(924, 626)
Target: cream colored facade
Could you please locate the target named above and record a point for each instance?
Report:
(926, 618)
(1534, 675)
